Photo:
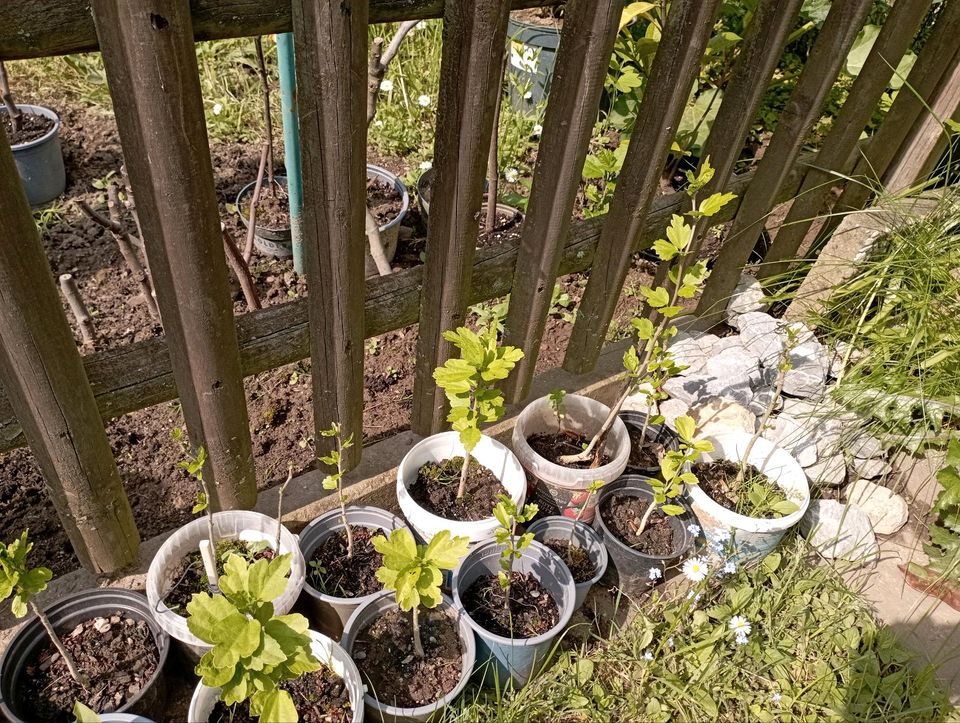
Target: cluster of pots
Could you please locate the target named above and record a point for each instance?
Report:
(486, 657)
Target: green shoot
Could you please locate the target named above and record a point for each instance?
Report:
(413, 571)
(253, 649)
(592, 489)
(84, 714)
(508, 515)
(555, 398)
(193, 463)
(334, 481)
(648, 363)
(21, 582)
(468, 384)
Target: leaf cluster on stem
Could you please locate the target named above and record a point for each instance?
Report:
(334, 480)
(509, 515)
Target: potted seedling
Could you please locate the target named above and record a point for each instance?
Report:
(263, 665)
(518, 595)
(450, 481)
(338, 545)
(192, 558)
(413, 647)
(594, 443)
(100, 647)
(643, 521)
(34, 135)
(749, 486)
(577, 544)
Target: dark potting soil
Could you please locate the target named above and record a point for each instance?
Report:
(577, 559)
(384, 653)
(319, 697)
(31, 127)
(435, 489)
(644, 453)
(506, 228)
(533, 609)
(551, 17)
(117, 653)
(384, 200)
(554, 446)
(623, 514)
(717, 478)
(189, 577)
(273, 207)
(333, 573)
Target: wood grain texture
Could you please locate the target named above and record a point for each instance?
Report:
(35, 28)
(675, 66)
(835, 155)
(331, 42)
(152, 72)
(43, 375)
(833, 42)
(474, 34)
(586, 42)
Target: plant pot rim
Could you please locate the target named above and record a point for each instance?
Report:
(318, 522)
(32, 626)
(551, 468)
(602, 558)
(399, 185)
(468, 656)
(637, 485)
(41, 110)
(743, 522)
(468, 527)
(565, 610)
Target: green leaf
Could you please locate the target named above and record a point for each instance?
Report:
(35, 580)
(680, 233)
(276, 706)
(713, 203)
(644, 328)
(672, 510)
(84, 714)
(657, 297)
(685, 427)
(664, 249)
(445, 553)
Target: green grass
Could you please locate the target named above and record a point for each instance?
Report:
(814, 653)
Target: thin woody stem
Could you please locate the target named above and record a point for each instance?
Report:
(82, 679)
(781, 376)
(343, 501)
(283, 488)
(15, 114)
(417, 642)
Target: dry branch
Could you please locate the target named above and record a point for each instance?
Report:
(126, 244)
(69, 287)
(241, 269)
(254, 200)
(16, 115)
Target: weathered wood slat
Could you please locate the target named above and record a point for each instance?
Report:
(827, 55)
(35, 28)
(45, 383)
(331, 42)
(474, 34)
(835, 154)
(685, 34)
(152, 73)
(139, 375)
(586, 42)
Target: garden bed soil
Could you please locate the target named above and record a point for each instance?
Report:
(549, 17)
(717, 477)
(189, 577)
(507, 228)
(435, 489)
(344, 576)
(32, 126)
(273, 209)
(533, 609)
(383, 651)
(383, 200)
(576, 558)
(319, 697)
(554, 446)
(644, 453)
(622, 515)
(117, 653)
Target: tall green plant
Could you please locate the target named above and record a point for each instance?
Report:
(334, 480)
(509, 516)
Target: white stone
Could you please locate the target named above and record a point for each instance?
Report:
(718, 416)
(748, 296)
(638, 400)
(864, 446)
(689, 389)
(870, 468)
(827, 472)
(793, 436)
(840, 531)
(761, 334)
(692, 352)
(670, 409)
(808, 374)
(887, 510)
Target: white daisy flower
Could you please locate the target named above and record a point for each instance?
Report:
(730, 567)
(511, 174)
(654, 573)
(775, 699)
(647, 655)
(537, 129)
(426, 165)
(695, 569)
(217, 108)
(693, 529)
(740, 625)
(424, 100)
(386, 85)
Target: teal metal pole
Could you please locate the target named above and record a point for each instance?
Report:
(291, 140)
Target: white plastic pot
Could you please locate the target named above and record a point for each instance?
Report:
(439, 447)
(326, 651)
(234, 524)
(753, 538)
(562, 487)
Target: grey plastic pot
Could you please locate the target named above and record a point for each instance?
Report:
(276, 242)
(516, 659)
(40, 161)
(584, 536)
(656, 433)
(329, 613)
(633, 566)
(390, 231)
(533, 55)
(382, 603)
(424, 186)
(65, 615)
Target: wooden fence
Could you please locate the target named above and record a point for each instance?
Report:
(55, 400)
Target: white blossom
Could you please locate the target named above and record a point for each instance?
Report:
(775, 699)
(537, 129)
(654, 573)
(511, 174)
(647, 655)
(386, 85)
(426, 165)
(693, 529)
(217, 108)
(695, 569)
(424, 100)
